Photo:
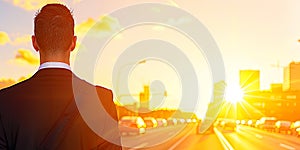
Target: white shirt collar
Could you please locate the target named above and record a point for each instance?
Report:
(54, 65)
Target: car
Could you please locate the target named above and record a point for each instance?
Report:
(188, 120)
(180, 121)
(298, 132)
(132, 125)
(217, 123)
(228, 124)
(161, 122)
(253, 123)
(150, 122)
(250, 123)
(267, 123)
(194, 120)
(283, 125)
(172, 121)
(257, 124)
(243, 122)
(295, 127)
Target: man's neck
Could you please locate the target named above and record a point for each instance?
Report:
(54, 65)
(44, 61)
(57, 58)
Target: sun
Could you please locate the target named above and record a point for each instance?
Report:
(234, 94)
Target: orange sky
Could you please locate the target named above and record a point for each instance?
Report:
(250, 35)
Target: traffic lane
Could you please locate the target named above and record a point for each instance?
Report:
(284, 138)
(158, 138)
(175, 141)
(245, 141)
(281, 140)
(244, 138)
(208, 141)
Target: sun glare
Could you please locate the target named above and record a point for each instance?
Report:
(234, 94)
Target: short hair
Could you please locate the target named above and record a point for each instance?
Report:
(54, 28)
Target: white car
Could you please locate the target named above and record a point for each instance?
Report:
(132, 125)
(283, 125)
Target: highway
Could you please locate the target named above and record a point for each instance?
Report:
(184, 137)
(252, 138)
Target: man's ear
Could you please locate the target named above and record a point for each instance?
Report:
(34, 43)
(73, 44)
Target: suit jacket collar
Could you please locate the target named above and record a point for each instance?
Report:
(53, 72)
(54, 65)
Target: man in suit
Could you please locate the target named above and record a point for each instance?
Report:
(41, 112)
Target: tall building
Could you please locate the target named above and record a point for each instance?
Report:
(291, 77)
(250, 80)
(145, 98)
(276, 87)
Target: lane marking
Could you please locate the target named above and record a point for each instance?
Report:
(287, 146)
(258, 136)
(139, 146)
(180, 141)
(226, 145)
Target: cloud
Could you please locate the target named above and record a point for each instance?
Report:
(103, 27)
(173, 3)
(83, 27)
(22, 40)
(24, 55)
(179, 21)
(4, 38)
(30, 4)
(22, 78)
(76, 1)
(108, 23)
(16, 39)
(158, 28)
(6, 83)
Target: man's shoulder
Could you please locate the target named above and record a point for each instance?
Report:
(12, 95)
(101, 89)
(81, 84)
(13, 88)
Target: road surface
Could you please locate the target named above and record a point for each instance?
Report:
(184, 137)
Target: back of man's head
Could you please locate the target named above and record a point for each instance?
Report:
(54, 28)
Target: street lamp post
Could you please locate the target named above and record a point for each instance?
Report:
(118, 77)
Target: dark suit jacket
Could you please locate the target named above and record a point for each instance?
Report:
(29, 110)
